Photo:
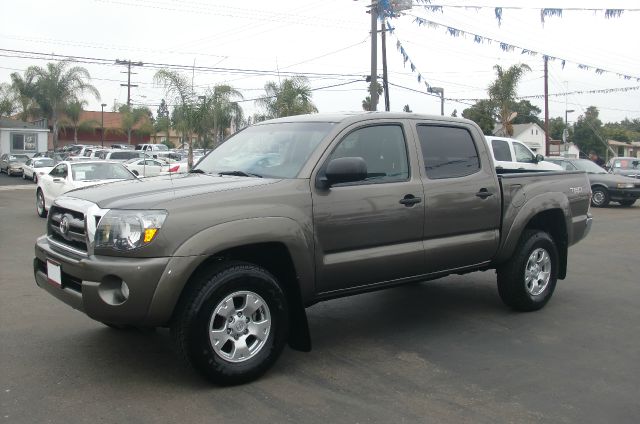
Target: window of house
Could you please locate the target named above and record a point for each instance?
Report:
(382, 147)
(24, 142)
(522, 153)
(501, 150)
(448, 152)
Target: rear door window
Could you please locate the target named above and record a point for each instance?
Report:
(448, 152)
(501, 150)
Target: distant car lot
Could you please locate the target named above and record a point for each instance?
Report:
(446, 351)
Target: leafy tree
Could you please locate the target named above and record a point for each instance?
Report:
(502, 92)
(24, 93)
(132, 117)
(184, 116)
(71, 118)
(163, 110)
(588, 132)
(482, 113)
(57, 85)
(225, 109)
(366, 103)
(455, 113)
(527, 113)
(556, 127)
(406, 108)
(7, 100)
(290, 97)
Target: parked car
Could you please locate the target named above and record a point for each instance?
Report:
(120, 155)
(511, 154)
(12, 163)
(67, 176)
(627, 166)
(122, 146)
(146, 167)
(36, 167)
(231, 254)
(154, 147)
(605, 187)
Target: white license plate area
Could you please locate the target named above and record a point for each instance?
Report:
(54, 273)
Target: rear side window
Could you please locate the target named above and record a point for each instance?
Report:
(501, 150)
(448, 152)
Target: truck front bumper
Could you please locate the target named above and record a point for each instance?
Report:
(108, 289)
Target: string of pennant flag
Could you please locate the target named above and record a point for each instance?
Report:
(507, 47)
(568, 93)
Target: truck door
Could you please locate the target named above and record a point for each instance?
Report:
(370, 231)
(462, 197)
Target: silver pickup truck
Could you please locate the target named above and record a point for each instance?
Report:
(298, 210)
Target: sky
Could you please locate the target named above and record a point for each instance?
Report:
(246, 43)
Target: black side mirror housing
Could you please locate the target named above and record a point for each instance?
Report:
(539, 158)
(344, 170)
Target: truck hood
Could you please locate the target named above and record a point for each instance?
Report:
(156, 191)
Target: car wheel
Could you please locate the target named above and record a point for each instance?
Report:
(40, 207)
(627, 203)
(8, 172)
(24, 177)
(232, 324)
(599, 197)
(35, 178)
(526, 282)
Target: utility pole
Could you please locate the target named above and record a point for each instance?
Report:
(440, 91)
(546, 106)
(385, 81)
(374, 54)
(128, 84)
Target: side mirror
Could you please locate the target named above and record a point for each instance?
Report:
(345, 170)
(136, 173)
(539, 158)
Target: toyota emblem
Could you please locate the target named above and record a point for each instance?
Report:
(64, 226)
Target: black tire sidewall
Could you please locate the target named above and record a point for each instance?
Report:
(220, 285)
(511, 278)
(42, 213)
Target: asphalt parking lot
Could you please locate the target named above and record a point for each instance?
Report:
(445, 351)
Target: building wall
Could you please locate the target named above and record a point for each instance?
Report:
(534, 138)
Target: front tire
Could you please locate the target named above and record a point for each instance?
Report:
(627, 203)
(232, 324)
(599, 197)
(526, 282)
(35, 178)
(40, 206)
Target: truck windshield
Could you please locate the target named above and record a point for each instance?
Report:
(276, 150)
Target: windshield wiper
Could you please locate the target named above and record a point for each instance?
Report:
(239, 174)
(197, 171)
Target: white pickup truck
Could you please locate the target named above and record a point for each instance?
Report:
(511, 154)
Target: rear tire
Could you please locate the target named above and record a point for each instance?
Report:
(40, 206)
(526, 282)
(35, 178)
(232, 323)
(627, 203)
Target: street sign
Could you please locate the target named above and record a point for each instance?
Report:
(565, 135)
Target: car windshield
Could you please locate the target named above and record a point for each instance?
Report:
(100, 171)
(276, 150)
(19, 158)
(44, 162)
(588, 166)
(626, 164)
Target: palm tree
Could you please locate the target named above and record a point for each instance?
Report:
(24, 92)
(224, 109)
(57, 85)
(72, 113)
(135, 116)
(366, 103)
(290, 97)
(502, 92)
(178, 88)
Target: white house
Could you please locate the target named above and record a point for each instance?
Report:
(530, 134)
(22, 137)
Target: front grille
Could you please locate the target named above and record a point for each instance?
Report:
(72, 236)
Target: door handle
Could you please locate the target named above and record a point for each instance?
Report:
(484, 193)
(410, 200)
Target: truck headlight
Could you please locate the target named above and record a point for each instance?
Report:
(625, 185)
(128, 229)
